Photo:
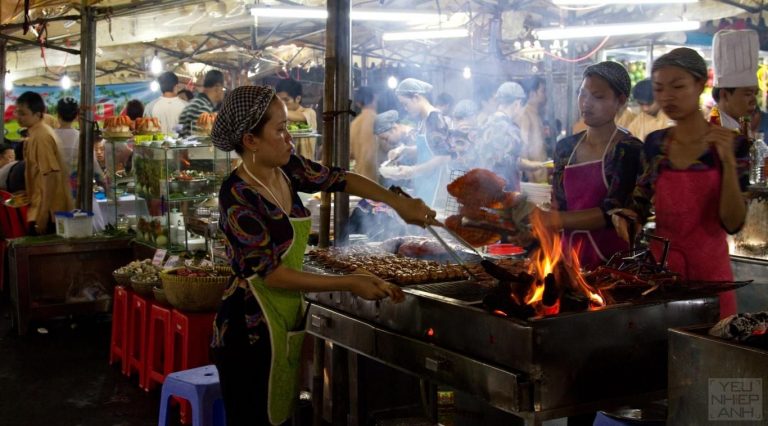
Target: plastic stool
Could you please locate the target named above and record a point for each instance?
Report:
(603, 419)
(191, 342)
(138, 319)
(191, 335)
(199, 386)
(159, 343)
(119, 339)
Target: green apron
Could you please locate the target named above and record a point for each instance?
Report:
(284, 312)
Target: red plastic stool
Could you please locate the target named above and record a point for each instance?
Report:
(158, 360)
(191, 341)
(119, 340)
(138, 319)
(190, 346)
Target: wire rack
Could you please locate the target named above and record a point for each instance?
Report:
(451, 203)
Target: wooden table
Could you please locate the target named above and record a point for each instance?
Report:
(46, 271)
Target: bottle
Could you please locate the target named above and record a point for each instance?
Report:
(756, 152)
(714, 116)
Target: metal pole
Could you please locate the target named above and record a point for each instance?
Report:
(87, 91)
(340, 24)
(549, 112)
(3, 76)
(570, 84)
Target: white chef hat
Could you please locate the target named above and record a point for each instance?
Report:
(735, 56)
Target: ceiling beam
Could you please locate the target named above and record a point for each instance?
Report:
(182, 56)
(44, 44)
(16, 26)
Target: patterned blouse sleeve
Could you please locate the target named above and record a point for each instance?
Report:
(439, 134)
(563, 151)
(309, 176)
(621, 172)
(650, 161)
(256, 235)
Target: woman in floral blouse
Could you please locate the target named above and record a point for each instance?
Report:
(258, 329)
(595, 170)
(693, 177)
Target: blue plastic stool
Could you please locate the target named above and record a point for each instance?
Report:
(603, 419)
(199, 386)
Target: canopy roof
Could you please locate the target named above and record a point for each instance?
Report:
(191, 35)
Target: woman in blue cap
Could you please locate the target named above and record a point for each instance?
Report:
(433, 148)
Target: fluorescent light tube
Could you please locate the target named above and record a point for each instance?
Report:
(356, 15)
(422, 35)
(591, 31)
(612, 2)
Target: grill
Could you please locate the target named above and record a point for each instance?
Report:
(535, 368)
(461, 292)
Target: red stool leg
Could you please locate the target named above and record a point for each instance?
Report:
(159, 337)
(119, 338)
(192, 333)
(137, 336)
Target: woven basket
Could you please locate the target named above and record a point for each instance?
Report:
(122, 279)
(143, 288)
(160, 295)
(193, 294)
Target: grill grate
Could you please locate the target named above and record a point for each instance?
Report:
(463, 292)
(451, 203)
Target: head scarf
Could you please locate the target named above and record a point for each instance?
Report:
(509, 92)
(643, 92)
(385, 121)
(465, 108)
(412, 86)
(612, 72)
(685, 58)
(240, 112)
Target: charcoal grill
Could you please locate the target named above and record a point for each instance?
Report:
(535, 368)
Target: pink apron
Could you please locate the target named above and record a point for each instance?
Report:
(585, 188)
(687, 204)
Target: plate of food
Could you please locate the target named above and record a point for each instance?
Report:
(204, 125)
(300, 129)
(17, 200)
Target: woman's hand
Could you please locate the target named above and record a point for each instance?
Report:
(550, 219)
(395, 153)
(414, 211)
(371, 287)
(722, 139)
(621, 224)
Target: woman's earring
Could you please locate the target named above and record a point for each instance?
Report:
(253, 156)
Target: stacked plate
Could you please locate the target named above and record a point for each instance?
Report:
(538, 193)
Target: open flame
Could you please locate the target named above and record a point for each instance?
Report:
(549, 268)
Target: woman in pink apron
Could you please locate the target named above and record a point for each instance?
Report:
(595, 170)
(258, 331)
(693, 177)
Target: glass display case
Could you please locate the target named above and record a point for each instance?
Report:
(175, 182)
(752, 240)
(114, 186)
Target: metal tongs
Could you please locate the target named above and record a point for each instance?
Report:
(491, 268)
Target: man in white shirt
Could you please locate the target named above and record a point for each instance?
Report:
(735, 58)
(68, 139)
(168, 107)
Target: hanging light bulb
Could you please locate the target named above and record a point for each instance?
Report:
(156, 66)
(8, 82)
(467, 74)
(66, 82)
(154, 86)
(392, 82)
